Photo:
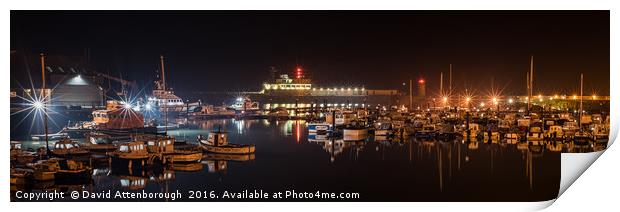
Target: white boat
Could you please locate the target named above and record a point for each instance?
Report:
(318, 127)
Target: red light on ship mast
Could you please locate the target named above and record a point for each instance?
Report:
(299, 73)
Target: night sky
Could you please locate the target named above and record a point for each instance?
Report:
(233, 50)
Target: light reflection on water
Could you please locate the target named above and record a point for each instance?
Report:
(288, 158)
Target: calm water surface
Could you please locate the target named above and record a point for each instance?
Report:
(287, 159)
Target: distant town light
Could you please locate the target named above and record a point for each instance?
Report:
(482, 104)
(574, 96)
(510, 101)
(445, 99)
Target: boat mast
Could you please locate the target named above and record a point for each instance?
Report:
(163, 79)
(441, 84)
(411, 94)
(450, 86)
(531, 82)
(527, 90)
(580, 100)
(43, 101)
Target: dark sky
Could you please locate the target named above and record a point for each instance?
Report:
(232, 51)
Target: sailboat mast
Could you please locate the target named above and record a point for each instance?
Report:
(441, 83)
(531, 81)
(163, 79)
(580, 100)
(527, 90)
(450, 85)
(410, 94)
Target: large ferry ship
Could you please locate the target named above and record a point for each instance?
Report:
(296, 91)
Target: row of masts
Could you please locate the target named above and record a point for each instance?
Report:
(529, 85)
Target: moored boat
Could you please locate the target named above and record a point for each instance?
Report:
(319, 127)
(217, 142)
(68, 148)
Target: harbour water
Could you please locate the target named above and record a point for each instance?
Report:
(286, 160)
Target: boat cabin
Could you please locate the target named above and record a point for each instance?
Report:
(135, 147)
(161, 145)
(68, 147)
(217, 139)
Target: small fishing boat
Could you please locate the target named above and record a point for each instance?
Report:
(165, 146)
(19, 156)
(68, 148)
(129, 152)
(217, 142)
(60, 169)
